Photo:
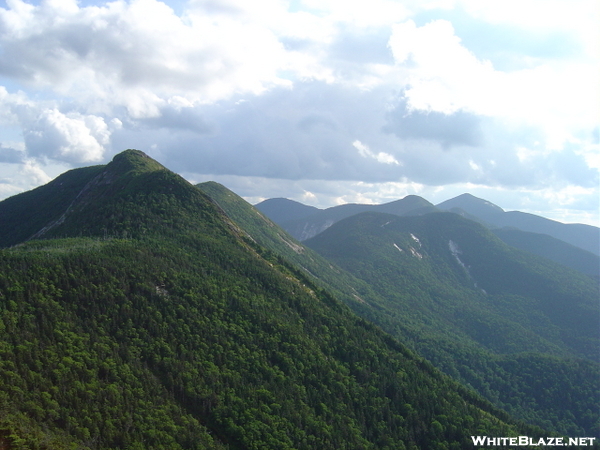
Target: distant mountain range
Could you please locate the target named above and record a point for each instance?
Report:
(574, 245)
(304, 222)
(583, 236)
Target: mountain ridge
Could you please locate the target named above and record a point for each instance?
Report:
(583, 236)
(470, 250)
(283, 209)
(34, 212)
(468, 305)
(303, 226)
(148, 319)
(552, 248)
(499, 377)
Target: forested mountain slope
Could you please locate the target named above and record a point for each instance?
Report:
(146, 319)
(501, 378)
(481, 310)
(549, 247)
(23, 215)
(353, 291)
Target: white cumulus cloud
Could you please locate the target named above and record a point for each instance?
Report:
(382, 157)
(500, 94)
(69, 137)
(444, 76)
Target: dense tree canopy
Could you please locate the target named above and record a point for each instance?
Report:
(146, 319)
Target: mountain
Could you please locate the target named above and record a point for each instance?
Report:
(470, 204)
(488, 314)
(281, 210)
(552, 248)
(141, 316)
(354, 292)
(307, 226)
(25, 214)
(583, 236)
(500, 377)
(566, 244)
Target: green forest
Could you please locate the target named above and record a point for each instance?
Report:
(503, 344)
(142, 317)
(521, 330)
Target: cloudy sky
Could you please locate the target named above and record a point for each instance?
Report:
(321, 101)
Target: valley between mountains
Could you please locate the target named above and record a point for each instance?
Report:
(138, 311)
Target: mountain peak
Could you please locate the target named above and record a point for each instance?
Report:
(131, 195)
(133, 161)
(470, 204)
(414, 197)
(281, 210)
(118, 175)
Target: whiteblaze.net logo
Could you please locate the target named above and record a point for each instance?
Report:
(526, 441)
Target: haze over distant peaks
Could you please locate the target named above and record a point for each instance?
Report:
(586, 237)
(471, 204)
(304, 222)
(282, 209)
